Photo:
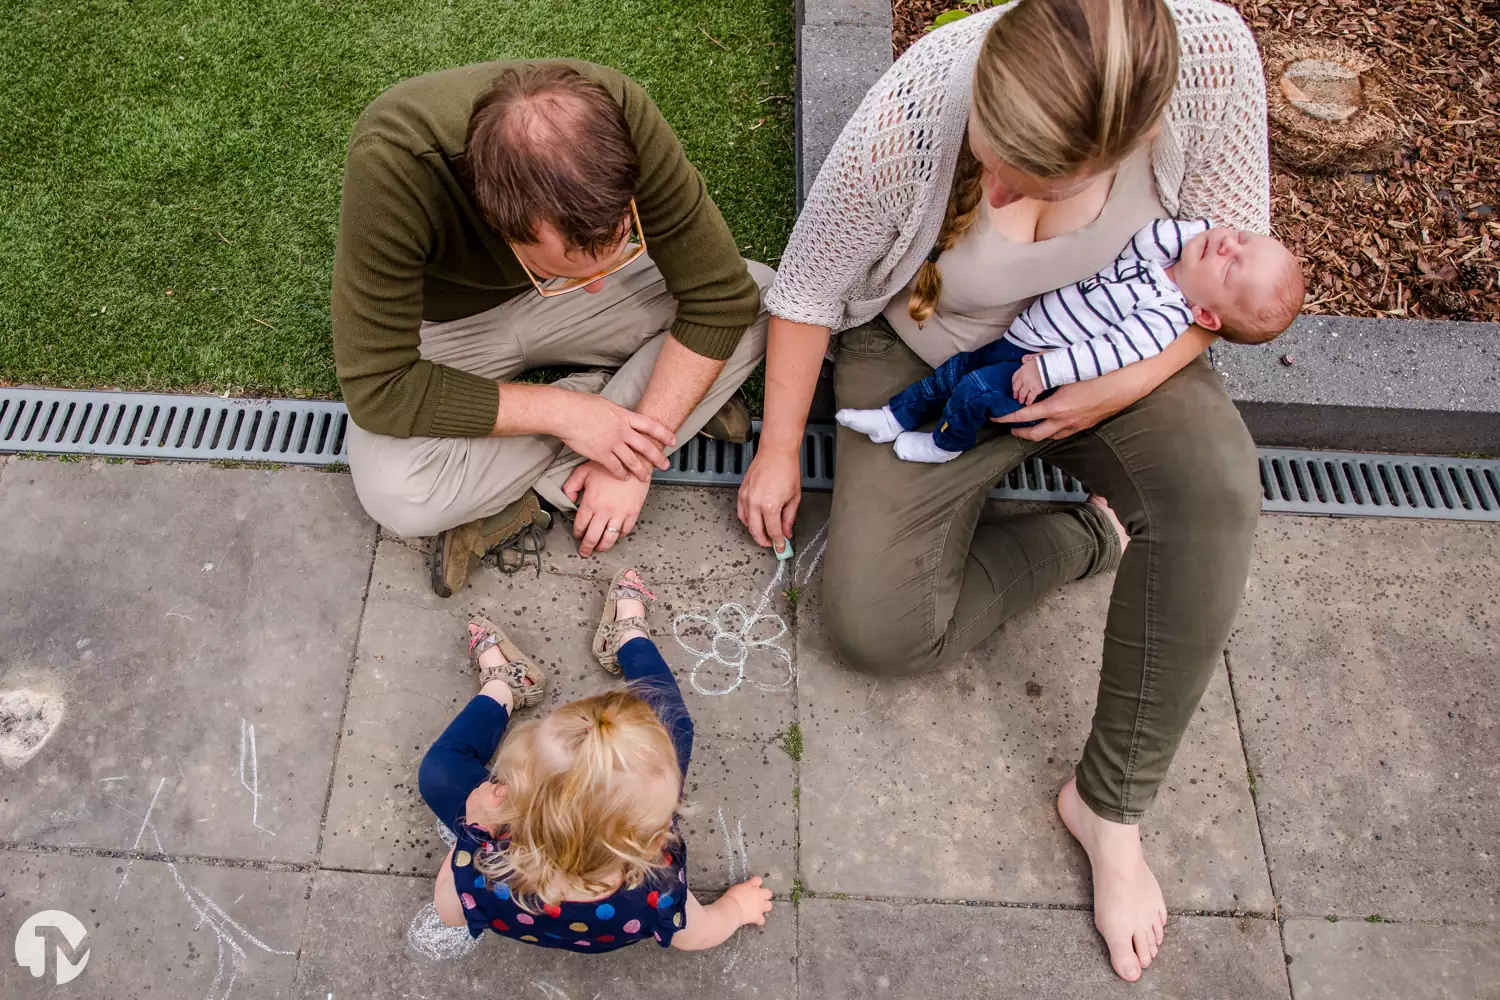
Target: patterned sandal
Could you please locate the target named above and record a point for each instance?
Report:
(606, 636)
(518, 669)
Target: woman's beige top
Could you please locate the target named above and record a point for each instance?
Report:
(988, 278)
(877, 205)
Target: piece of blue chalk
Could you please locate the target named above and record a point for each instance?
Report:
(786, 551)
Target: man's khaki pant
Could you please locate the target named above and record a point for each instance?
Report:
(425, 485)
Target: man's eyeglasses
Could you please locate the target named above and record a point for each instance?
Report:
(634, 247)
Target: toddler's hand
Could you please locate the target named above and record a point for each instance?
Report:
(1026, 385)
(750, 900)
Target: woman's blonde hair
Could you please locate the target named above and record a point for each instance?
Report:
(591, 794)
(1060, 86)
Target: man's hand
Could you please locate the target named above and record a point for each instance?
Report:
(607, 506)
(1027, 385)
(623, 442)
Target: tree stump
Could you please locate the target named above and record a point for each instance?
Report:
(1327, 110)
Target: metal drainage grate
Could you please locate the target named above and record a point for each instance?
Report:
(1352, 484)
(310, 432)
(143, 425)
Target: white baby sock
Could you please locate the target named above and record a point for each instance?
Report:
(916, 447)
(880, 425)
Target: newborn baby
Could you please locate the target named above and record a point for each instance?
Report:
(1245, 287)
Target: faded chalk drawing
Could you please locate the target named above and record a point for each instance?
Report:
(251, 783)
(554, 993)
(228, 933)
(725, 641)
(431, 938)
(739, 857)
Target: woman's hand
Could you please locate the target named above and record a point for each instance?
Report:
(1081, 405)
(772, 489)
(770, 495)
(1075, 407)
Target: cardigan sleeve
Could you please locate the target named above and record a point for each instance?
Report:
(1227, 171)
(842, 231)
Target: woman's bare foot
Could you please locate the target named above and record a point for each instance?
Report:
(1128, 907)
(1104, 506)
(628, 608)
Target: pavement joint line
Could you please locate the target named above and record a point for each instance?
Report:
(161, 856)
(338, 742)
(1260, 830)
(338, 736)
(1001, 904)
(310, 868)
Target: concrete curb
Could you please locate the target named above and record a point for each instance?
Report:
(842, 48)
(1428, 387)
(1394, 385)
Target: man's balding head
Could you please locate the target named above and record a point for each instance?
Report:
(548, 146)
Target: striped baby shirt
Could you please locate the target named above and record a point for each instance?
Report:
(1127, 312)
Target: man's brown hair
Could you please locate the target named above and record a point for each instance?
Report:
(548, 145)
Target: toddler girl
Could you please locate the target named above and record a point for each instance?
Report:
(570, 841)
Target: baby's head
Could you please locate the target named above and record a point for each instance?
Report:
(591, 792)
(1246, 287)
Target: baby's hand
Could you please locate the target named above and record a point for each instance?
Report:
(750, 900)
(1026, 386)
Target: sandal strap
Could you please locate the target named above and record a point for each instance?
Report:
(619, 625)
(482, 641)
(628, 591)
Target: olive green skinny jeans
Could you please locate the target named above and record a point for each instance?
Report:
(913, 580)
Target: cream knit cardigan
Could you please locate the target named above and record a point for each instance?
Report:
(875, 210)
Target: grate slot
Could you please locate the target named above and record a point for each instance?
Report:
(159, 426)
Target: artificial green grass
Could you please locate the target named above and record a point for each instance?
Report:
(197, 147)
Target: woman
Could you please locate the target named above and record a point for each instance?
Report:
(1008, 154)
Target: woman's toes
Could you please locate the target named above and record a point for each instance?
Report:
(1123, 957)
(1143, 950)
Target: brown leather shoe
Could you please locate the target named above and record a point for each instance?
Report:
(515, 531)
(731, 423)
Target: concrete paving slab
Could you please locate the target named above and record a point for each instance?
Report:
(952, 778)
(172, 932)
(196, 625)
(412, 676)
(553, 618)
(855, 949)
(1365, 663)
(357, 945)
(1355, 960)
(685, 534)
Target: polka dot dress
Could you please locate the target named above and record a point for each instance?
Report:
(654, 910)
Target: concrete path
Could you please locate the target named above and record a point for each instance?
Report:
(217, 685)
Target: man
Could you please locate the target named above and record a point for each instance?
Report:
(514, 215)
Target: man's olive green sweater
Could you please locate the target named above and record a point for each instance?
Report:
(413, 246)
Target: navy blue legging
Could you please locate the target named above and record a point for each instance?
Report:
(967, 390)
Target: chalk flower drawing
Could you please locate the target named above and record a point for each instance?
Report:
(731, 635)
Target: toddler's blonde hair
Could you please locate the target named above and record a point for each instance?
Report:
(592, 791)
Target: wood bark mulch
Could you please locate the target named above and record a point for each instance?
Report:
(1419, 238)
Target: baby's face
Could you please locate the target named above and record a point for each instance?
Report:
(1230, 272)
